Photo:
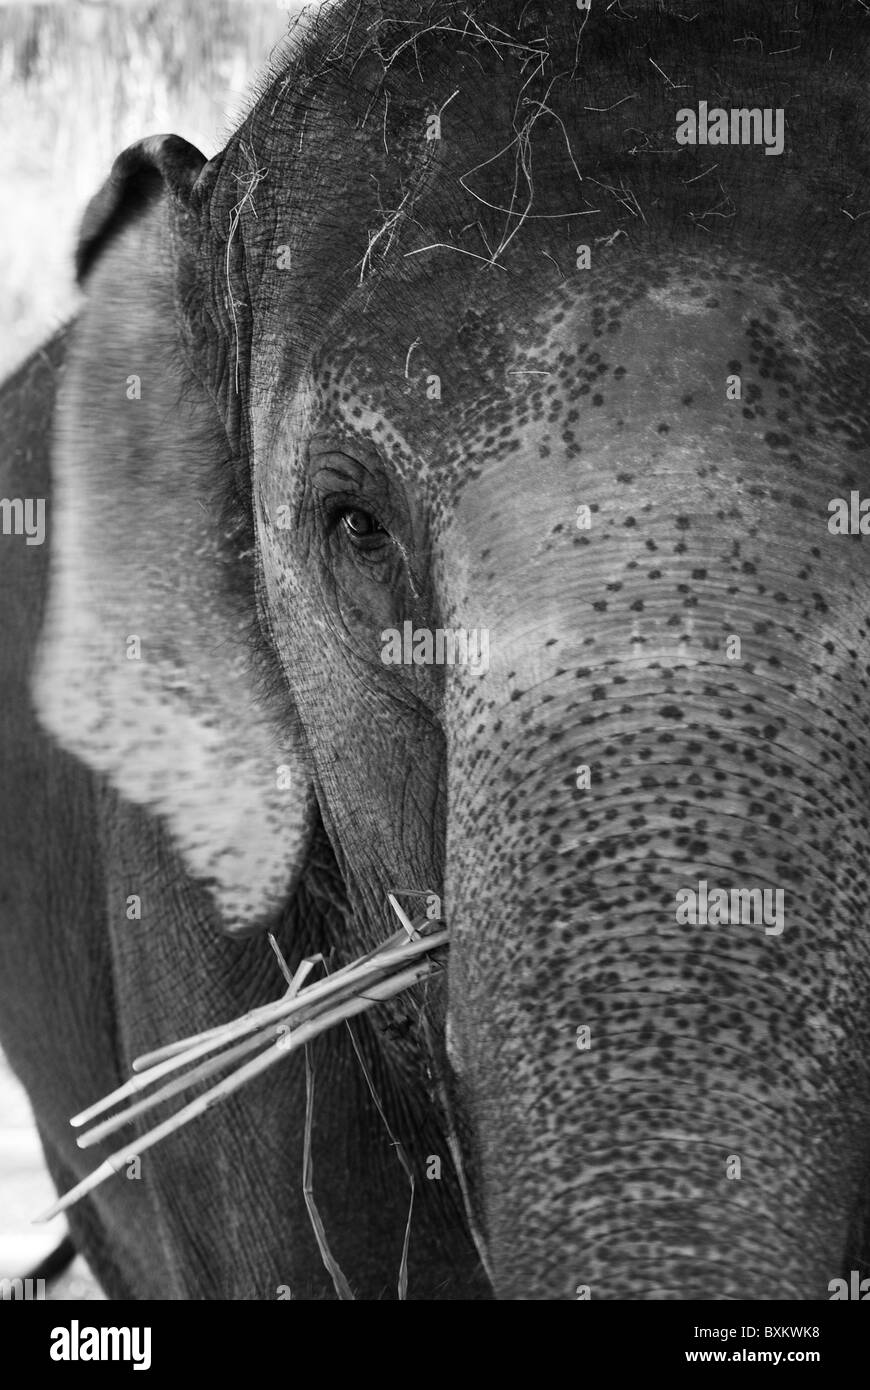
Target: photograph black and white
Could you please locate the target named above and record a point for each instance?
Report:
(435, 659)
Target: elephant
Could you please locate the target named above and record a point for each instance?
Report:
(464, 343)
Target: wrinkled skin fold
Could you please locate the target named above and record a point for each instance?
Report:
(454, 336)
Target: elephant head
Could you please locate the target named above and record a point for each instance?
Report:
(443, 473)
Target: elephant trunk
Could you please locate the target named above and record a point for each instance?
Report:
(657, 1085)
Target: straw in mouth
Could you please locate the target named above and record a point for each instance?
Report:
(265, 1036)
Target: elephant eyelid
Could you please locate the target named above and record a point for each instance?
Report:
(333, 469)
(343, 468)
(338, 483)
(334, 506)
(336, 491)
(342, 476)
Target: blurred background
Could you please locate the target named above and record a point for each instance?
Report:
(79, 80)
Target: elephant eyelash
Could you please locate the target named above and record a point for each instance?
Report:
(379, 530)
(333, 508)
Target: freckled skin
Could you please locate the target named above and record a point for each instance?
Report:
(433, 355)
(751, 772)
(609, 648)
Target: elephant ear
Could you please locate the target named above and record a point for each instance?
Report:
(147, 666)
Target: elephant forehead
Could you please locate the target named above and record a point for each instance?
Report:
(596, 375)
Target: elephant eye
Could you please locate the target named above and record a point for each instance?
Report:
(361, 525)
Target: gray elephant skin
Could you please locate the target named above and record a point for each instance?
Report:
(456, 333)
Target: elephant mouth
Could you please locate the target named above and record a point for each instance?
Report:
(247, 1046)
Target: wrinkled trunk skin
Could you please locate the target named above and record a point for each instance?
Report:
(608, 1167)
(711, 1142)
